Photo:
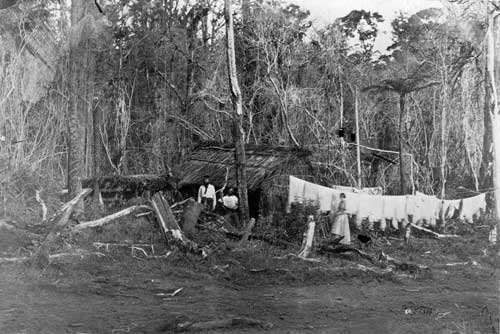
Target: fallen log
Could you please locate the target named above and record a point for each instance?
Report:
(169, 225)
(50, 257)
(130, 185)
(373, 270)
(223, 323)
(110, 218)
(400, 265)
(166, 218)
(338, 248)
(434, 234)
(41, 255)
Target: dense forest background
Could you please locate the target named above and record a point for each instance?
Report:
(130, 87)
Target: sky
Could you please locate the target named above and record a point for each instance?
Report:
(326, 11)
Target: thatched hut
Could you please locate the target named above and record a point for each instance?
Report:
(268, 169)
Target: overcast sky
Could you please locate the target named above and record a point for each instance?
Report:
(326, 11)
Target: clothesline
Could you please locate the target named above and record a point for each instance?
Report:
(420, 208)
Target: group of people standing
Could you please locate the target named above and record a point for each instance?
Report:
(227, 203)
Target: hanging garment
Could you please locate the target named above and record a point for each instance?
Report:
(451, 208)
(371, 207)
(383, 225)
(394, 207)
(369, 191)
(473, 207)
(423, 209)
(301, 191)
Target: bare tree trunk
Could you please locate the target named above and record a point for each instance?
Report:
(81, 63)
(495, 113)
(485, 173)
(358, 151)
(443, 141)
(402, 187)
(96, 156)
(238, 134)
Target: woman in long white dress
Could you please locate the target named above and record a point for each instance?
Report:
(340, 225)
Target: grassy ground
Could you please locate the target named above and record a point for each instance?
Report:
(121, 293)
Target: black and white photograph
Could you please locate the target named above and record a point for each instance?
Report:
(249, 166)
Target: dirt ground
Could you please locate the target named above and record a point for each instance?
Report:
(119, 293)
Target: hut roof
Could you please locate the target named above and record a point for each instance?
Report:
(262, 162)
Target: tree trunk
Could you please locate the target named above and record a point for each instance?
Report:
(485, 172)
(402, 188)
(96, 156)
(358, 149)
(492, 56)
(238, 132)
(81, 65)
(443, 143)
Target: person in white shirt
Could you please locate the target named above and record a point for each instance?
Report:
(206, 194)
(230, 204)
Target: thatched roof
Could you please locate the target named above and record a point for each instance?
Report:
(263, 164)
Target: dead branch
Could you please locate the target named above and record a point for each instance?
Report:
(6, 225)
(42, 204)
(50, 257)
(192, 127)
(180, 203)
(373, 270)
(110, 218)
(223, 323)
(41, 256)
(75, 200)
(434, 234)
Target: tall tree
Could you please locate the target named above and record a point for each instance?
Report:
(403, 86)
(493, 60)
(84, 19)
(238, 131)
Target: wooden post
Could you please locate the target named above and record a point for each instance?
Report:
(358, 152)
(308, 238)
(401, 153)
